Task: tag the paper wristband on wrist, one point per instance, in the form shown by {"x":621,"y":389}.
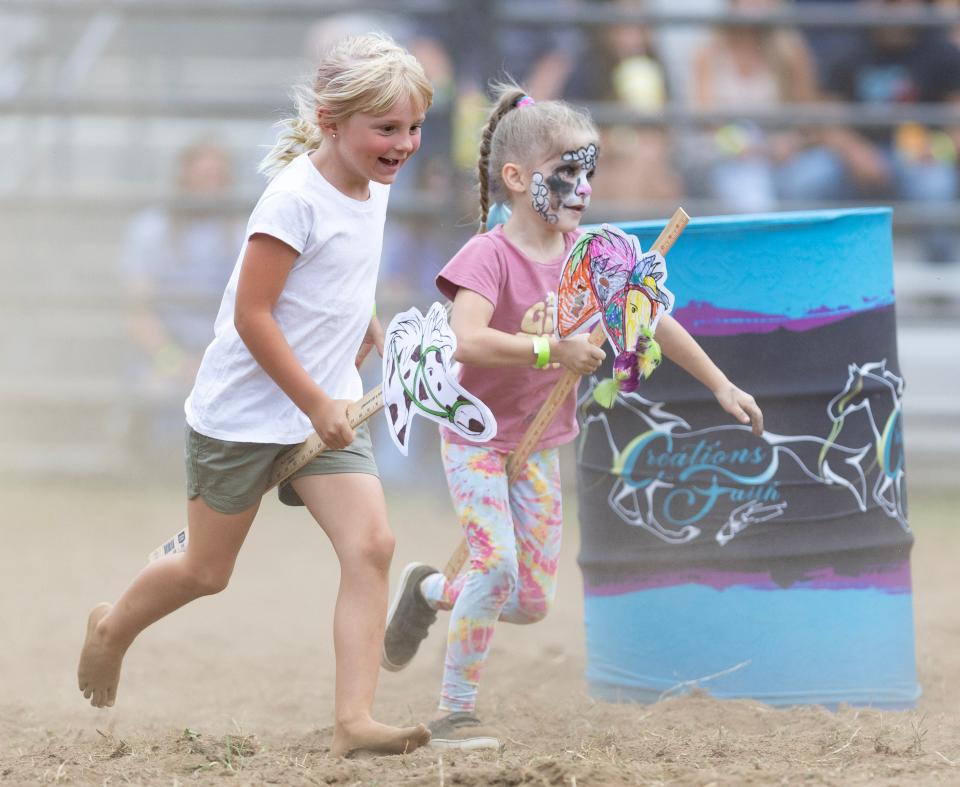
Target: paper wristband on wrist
{"x":541,"y":348}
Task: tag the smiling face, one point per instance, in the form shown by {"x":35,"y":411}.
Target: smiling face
{"x":560,"y":186}
{"x":374,"y":147}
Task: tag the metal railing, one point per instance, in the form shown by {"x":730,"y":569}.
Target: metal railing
{"x":60,"y":107}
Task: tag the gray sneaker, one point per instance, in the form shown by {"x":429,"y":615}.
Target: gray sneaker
{"x":462,"y":730}
{"x":408,"y":620}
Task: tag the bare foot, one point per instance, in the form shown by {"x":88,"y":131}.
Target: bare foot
{"x":372,"y":736}
{"x":99,"y":670}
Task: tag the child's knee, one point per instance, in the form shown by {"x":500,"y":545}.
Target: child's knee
{"x":209,"y":580}
{"x":501,"y":575}
{"x":384,"y":545}
{"x":524,"y":612}
{"x":376,"y":547}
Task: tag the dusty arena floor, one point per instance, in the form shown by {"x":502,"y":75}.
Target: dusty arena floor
{"x":237,"y":689}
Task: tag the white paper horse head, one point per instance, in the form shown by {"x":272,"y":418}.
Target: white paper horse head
{"x":419,"y":378}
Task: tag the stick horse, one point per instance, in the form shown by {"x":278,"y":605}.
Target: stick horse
{"x":419,"y":378}
{"x":607,"y":274}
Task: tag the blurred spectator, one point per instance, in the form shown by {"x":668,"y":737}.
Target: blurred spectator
{"x":466,"y":45}
{"x":625,"y":67}
{"x":898,"y":66}
{"x":175,"y":264}
{"x":951,"y":7}
{"x":543,"y":58}
{"x":677,"y":43}
{"x":828,"y":44}
{"x":757,"y":69}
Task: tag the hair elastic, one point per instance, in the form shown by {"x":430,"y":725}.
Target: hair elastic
{"x":541,"y":347}
{"x":523,"y":101}
{"x":498,"y":214}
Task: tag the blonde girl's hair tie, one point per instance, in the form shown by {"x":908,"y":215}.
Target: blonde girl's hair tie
{"x":523,"y":101}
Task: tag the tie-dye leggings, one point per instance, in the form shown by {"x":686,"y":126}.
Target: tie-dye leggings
{"x":514,"y":539}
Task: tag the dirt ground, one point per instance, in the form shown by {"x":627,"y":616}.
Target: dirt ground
{"x":237,"y":688}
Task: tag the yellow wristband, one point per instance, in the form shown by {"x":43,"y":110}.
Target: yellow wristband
{"x":541,"y":348}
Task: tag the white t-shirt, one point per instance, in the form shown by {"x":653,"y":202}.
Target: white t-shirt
{"x":323,"y":310}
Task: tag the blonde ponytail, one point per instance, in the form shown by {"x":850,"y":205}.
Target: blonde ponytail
{"x":298,"y":134}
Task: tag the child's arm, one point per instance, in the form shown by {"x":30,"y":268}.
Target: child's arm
{"x":372,"y":339}
{"x":480,"y":345}
{"x":681,"y":348}
{"x":266,"y":265}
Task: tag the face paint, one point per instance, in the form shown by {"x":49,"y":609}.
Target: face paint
{"x":567,"y":185}
{"x":541,"y":198}
{"x":586,"y":156}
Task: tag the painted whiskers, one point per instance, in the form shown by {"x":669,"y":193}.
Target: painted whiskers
{"x":606,"y":273}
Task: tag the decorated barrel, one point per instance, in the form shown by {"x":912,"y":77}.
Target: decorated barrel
{"x":772,"y":567}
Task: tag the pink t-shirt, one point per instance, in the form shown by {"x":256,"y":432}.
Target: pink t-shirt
{"x":524,"y":296}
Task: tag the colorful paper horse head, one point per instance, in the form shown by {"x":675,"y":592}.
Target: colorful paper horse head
{"x":607,"y":274}
{"x":418,"y":378}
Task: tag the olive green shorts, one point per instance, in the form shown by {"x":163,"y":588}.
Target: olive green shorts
{"x":231,"y":477}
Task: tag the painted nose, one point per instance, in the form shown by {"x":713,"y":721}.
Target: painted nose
{"x":584,"y":189}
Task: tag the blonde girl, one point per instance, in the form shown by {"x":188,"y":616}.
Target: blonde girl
{"x":294,"y":324}
{"x":539,"y":158}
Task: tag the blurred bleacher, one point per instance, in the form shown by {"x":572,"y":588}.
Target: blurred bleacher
{"x":98,"y":98}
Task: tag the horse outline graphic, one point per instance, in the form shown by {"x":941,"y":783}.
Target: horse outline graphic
{"x":637,"y":500}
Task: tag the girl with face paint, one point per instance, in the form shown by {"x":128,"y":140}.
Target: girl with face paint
{"x":539,"y":158}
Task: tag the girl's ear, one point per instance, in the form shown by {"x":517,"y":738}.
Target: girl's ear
{"x":513,"y":178}
{"x":326,"y":125}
